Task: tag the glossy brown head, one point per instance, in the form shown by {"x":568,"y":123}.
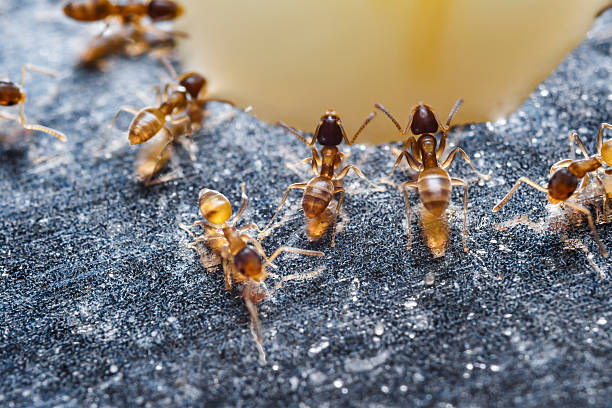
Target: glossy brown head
{"x":159,"y":10}
{"x":248,"y":262}
{"x":10,"y":94}
{"x":193,"y":83}
{"x":330,"y":132}
{"x":423,"y":120}
{"x":562,"y":185}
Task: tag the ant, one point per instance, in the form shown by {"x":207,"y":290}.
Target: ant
{"x":321,"y":189}
{"x":569,"y":177}
{"x":433,"y":184}
{"x":130,"y":12}
{"x":241,"y":263}
{"x":134,"y":38}
{"x":13,"y":94}
{"x":178,"y":113}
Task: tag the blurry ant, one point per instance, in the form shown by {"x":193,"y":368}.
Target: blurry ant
{"x":134,"y":38}
{"x":433,"y":184}
{"x":242,"y":263}
{"x":13,"y":94}
{"x":320,"y":190}
{"x":568,"y":178}
{"x":130,"y":12}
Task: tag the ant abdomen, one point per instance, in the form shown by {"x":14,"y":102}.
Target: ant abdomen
{"x":88,"y":10}
{"x":214,"y":206}
{"x":10,"y":94}
{"x":434,"y":187}
{"x":319,"y":192}
{"x":145,"y":125}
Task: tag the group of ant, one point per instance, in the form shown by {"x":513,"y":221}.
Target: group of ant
{"x":179,"y":112}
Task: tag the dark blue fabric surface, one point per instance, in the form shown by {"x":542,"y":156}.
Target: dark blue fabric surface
{"x":102,"y":305}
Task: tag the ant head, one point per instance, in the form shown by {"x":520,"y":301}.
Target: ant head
{"x":330,"y":132}
{"x":606,"y":152}
{"x":248,"y":262}
{"x":562,"y":185}
{"x":159,"y":10}
{"x":193,"y":83}
{"x":427,"y":144}
{"x":423,"y":120}
{"x":214,"y":206}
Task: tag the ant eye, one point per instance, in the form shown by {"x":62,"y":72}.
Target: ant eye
{"x":424,"y":121}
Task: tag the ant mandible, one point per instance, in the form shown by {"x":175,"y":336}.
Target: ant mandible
{"x":241,"y":263}
{"x":433,"y":184}
{"x":13,"y":94}
{"x":568,"y":178}
{"x":320,"y":190}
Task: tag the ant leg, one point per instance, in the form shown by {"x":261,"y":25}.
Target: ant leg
{"x":449,"y":160}
{"x":459,"y":182}
{"x":187,"y":228}
{"x":574,"y":138}
{"x":306,"y":160}
{"x":248,"y":227}
{"x":194,"y":244}
{"x":604,"y":195}
{"x":363,"y":125}
{"x":41,"y":128}
{"x":395,"y":122}
{"x":600,"y":136}
{"x":340,"y":200}
{"x":164,"y":60}
{"x":411,"y":184}
{"x":227,"y":274}
{"x":30,"y":67}
{"x":204,"y":101}
{"x":412,"y":162}
{"x":518,"y":183}
{"x":301,"y":186}
{"x":243,"y":205}
{"x":128,"y":109}
{"x":297,"y":133}
{"x":586,"y":212}
{"x":345,"y":171}
{"x":292,"y":250}
{"x":441,"y":146}
{"x":558,"y":165}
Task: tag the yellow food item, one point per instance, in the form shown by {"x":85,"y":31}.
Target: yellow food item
{"x":292,"y":60}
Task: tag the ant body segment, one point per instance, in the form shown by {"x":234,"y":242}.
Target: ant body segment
{"x":242,"y":264}
{"x":13,"y":94}
{"x":433,"y":183}
{"x":569,"y":177}
{"x":130,"y":12}
{"x":321,"y":189}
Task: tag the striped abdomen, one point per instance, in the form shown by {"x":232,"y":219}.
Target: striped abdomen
{"x":10,"y":94}
{"x":435,"y":190}
{"x":319,"y":192}
{"x":89,"y":10}
{"x":145,"y":125}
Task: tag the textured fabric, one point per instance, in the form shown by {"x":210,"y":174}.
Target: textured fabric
{"x":102,"y":305}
